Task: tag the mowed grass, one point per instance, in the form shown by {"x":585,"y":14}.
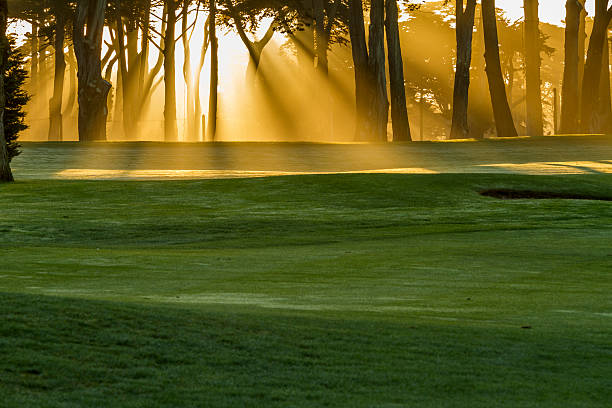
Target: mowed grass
{"x":332,"y":290}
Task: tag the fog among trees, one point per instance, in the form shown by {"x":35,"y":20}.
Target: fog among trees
{"x":317,"y":70}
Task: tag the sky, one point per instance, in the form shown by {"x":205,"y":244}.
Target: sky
{"x":551,"y":11}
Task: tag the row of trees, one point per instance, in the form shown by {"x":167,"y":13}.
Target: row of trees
{"x":313,"y":26}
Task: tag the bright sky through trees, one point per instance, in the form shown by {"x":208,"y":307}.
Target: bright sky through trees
{"x":551,"y":11}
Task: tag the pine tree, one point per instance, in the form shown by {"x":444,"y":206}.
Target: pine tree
{"x":16,"y":98}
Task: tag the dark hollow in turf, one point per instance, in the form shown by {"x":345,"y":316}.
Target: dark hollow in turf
{"x":509,"y":194}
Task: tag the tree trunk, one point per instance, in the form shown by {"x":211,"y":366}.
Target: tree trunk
{"x":170,"y":126}
{"x":399,"y":110}
{"x":534,"y":122}
{"x":362,"y":73}
{"x":322,"y":42}
{"x":214,"y":72}
{"x":497,"y":89}
{"x":464,"y":33}
{"x":592,"y":68}
{"x":582,"y":38}
{"x":604,"y":111}
{"x":56,"y":129}
{"x":190,"y":134}
{"x":379,"y":104}
{"x":199,"y":126}
{"x":69,"y":109}
{"x":93,"y":89}
{"x":5,"y":168}
{"x":570,"y":96}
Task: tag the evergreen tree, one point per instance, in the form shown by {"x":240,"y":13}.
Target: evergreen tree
{"x":16,"y":98}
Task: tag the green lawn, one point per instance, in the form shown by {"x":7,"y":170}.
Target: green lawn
{"x":333,"y":290}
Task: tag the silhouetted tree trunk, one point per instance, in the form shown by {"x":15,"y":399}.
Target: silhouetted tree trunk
{"x":198,"y":77}
{"x":604,"y":111}
{"x":582,"y":39}
{"x":56,"y":129}
{"x":5,"y":168}
{"x":463,"y":34}
{"x":93,"y":89}
{"x":190,"y":135}
{"x":170,"y":127}
{"x":399,"y":110}
{"x":497,"y":88}
{"x":362,"y":73}
{"x":570,"y":99}
{"x":214,"y":72}
{"x":379,"y":104}
{"x":592,"y":69}
{"x":322,"y":40}
{"x":255,"y":48}
{"x":535,"y":126}
{"x":70,"y":107}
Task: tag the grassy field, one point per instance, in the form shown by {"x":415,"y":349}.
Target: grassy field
{"x":358,"y":290}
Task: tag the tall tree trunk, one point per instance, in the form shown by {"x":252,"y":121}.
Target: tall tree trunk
{"x":72,"y":83}
{"x":5,"y":168}
{"x":464,"y":33}
{"x":501,"y":110}
{"x":190,"y":134}
{"x":170,"y":126}
{"x":535,"y":126}
{"x":582,"y":39}
{"x":379,"y":105}
{"x":570,"y":94}
{"x":56,"y":129}
{"x":255,"y":48}
{"x":592,"y":68}
{"x":399,"y":110}
{"x":198,"y":76}
{"x":604,"y":111}
{"x":93,"y":89}
{"x":362,"y":72}
{"x":322,"y":42}
{"x":214,"y":72}
{"x":143,"y":64}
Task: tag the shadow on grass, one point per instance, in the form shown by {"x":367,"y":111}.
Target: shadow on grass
{"x":61,"y":352}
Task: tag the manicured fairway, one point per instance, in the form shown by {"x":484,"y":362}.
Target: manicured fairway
{"x":331,"y":290}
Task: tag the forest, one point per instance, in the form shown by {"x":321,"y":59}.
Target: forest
{"x":379,"y":71}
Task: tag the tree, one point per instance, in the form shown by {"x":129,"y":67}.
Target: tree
{"x":501,"y":110}
{"x":5,"y":169}
{"x":399,"y":111}
{"x":61,"y":12}
{"x":571,"y":83}
{"x":16,"y":98}
{"x":535,"y":126}
{"x":369,"y":65}
{"x":214,"y":71}
{"x":463,"y":32}
{"x":92,"y":88}
{"x":604,"y":112}
{"x":379,"y":104}
{"x":170,"y":126}
{"x":593,"y":67}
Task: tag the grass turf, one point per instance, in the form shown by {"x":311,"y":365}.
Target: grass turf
{"x":337,"y":290}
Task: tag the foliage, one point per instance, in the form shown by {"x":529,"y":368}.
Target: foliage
{"x":16,"y":98}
